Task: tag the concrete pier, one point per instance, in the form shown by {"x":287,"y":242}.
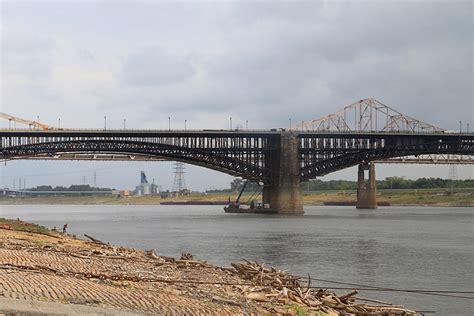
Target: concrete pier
{"x":366,"y":189}
{"x":284,"y":192}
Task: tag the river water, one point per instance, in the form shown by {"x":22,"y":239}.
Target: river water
{"x":397,"y":247}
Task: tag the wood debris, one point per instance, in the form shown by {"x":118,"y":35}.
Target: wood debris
{"x":278,"y":286}
{"x":245,"y":286}
{"x":97,"y":241}
{"x":186,"y":256}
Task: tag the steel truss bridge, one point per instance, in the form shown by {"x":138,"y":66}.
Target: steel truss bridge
{"x":363,"y":132}
{"x":240,"y":153}
{"x":419,"y":159}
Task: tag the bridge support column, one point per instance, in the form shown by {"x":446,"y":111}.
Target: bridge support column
{"x":366,"y":189}
{"x":284,"y":192}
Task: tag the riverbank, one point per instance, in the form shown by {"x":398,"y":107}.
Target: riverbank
{"x":391,"y":197}
{"x":49,"y":271}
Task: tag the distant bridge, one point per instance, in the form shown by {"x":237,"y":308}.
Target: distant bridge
{"x":361,"y":133}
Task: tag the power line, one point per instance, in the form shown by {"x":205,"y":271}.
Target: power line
{"x":73,"y":172}
{"x":444,"y":293}
{"x":364,"y":287}
{"x":179,"y":184}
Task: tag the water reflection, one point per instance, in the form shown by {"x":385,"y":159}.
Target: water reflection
{"x":365,"y":252}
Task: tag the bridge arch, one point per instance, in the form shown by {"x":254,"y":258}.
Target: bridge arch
{"x":351,"y":158}
{"x":280,"y":159}
{"x":211,"y":159}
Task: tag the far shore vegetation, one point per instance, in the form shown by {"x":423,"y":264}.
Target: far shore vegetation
{"x":394,"y":190}
{"x":19,"y":225}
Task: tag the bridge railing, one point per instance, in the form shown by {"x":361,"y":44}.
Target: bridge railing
{"x":306,"y":131}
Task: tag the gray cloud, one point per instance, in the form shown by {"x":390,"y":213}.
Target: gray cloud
{"x":259,"y":61}
{"x":26,"y":54}
{"x":155,"y":67}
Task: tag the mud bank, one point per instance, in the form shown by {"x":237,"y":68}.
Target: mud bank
{"x":43,"y":271}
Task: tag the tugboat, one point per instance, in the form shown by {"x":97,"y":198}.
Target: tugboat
{"x":255,"y":207}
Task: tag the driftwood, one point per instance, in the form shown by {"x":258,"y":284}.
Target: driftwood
{"x":225,"y":300}
{"x":97,"y":241}
{"x":285,"y":288}
{"x":265,"y":276}
{"x":270,"y":287}
{"x":152,"y":254}
{"x":193,"y":262}
{"x":186,"y":256}
{"x":348,"y":295}
{"x":78,"y":256}
{"x":168,"y":259}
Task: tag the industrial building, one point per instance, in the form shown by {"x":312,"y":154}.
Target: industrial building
{"x":145,"y":188}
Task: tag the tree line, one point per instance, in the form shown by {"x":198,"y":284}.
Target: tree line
{"x":74,"y":187}
{"x":387,"y":183}
{"x":390,"y":183}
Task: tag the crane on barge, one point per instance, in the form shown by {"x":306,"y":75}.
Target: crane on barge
{"x":254,"y":207}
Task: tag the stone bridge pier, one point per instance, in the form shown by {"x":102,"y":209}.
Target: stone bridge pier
{"x":284,"y":192}
{"x":366,"y":188}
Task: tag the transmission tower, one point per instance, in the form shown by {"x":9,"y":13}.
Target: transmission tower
{"x":453,"y":175}
{"x":179,"y":183}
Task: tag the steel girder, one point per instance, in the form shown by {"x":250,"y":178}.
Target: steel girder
{"x":244,"y":154}
{"x":332,"y":159}
{"x":431,"y":159}
{"x":224,"y":160}
{"x":368,"y":115}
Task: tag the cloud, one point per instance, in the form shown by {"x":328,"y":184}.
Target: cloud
{"x":24,"y":42}
{"x":155,"y":67}
{"x":258,"y":61}
{"x":25,"y":54}
{"x":306,"y":60}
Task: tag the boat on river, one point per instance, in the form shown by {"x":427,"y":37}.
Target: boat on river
{"x":254,"y":207}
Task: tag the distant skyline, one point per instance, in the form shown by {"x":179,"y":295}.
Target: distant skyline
{"x":126,"y":175}
{"x":89,"y":177}
{"x":204,"y":62}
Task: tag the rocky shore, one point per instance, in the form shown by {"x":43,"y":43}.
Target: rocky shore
{"x":46,"y":272}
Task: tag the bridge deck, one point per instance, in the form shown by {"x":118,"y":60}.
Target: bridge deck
{"x":206,"y":132}
{"x":252,"y":154}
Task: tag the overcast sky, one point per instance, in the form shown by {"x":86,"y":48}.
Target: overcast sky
{"x":204,"y":62}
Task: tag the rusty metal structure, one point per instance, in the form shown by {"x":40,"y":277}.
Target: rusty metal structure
{"x":323,"y":153}
{"x":430,"y":160}
{"x":279,"y":159}
{"x":31,"y":124}
{"x":368,"y":115}
{"x":236,"y":153}
{"x":419,"y":159}
{"x":242,"y":153}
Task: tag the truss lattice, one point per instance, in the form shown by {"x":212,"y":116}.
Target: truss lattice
{"x":431,"y":160}
{"x":368,"y":115}
{"x":179,"y":184}
{"x":30,"y":124}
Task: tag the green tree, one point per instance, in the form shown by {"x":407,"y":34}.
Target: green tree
{"x":236,"y":184}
